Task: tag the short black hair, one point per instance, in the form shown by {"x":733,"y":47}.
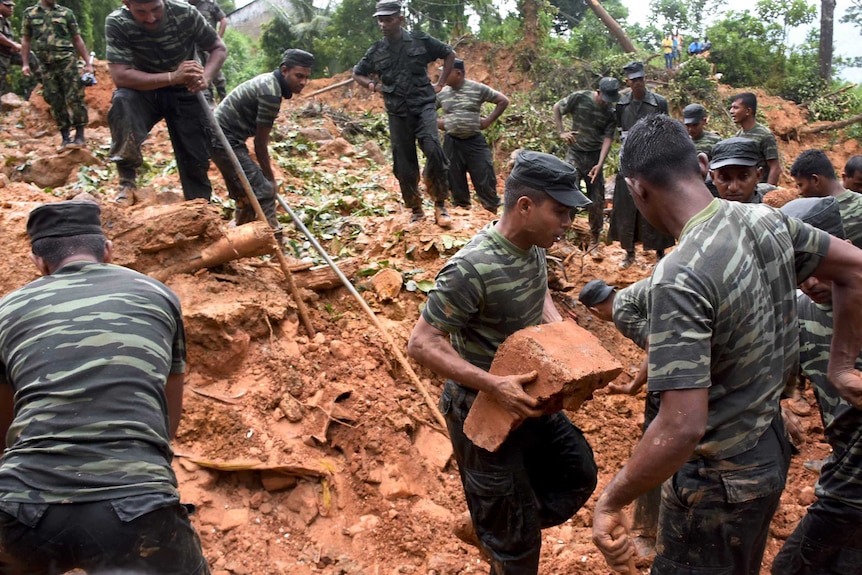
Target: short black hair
{"x":749,"y":100}
{"x":515,"y":189}
{"x":56,"y":249}
{"x":853,"y":165}
{"x":659,"y":150}
{"x":811,"y":162}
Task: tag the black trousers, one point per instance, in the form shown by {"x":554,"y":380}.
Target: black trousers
{"x":539,"y":477}
{"x":132,"y":115}
{"x":404,"y":133}
{"x":263,"y":189}
{"x":828,"y":541}
{"x":471,"y":155}
{"x":92,"y":537}
{"x":583,"y":163}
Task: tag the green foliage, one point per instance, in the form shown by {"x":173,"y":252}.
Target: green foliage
{"x":744,"y":49}
{"x":694,"y":81}
{"x":837,"y":106}
{"x":243,"y":59}
{"x":350,"y":32}
{"x":853,"y":14}
{"x":227,"y":6}
{"x":275,"y":38}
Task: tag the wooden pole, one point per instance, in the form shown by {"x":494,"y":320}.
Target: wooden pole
{"x":328,"y":88}
{"x":282,"y":261}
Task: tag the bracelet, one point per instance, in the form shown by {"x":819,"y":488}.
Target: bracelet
{"x":170,"y":82}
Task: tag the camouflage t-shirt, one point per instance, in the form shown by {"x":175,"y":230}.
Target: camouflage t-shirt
{"x":631,"y":312}
{"x":841,"y":475}
{"x":723,"y":316}
{"x":591,"y":122}
{"x":402,"y":67}
{"x":462,"y":107}
{"x":705,"y":143}
{"x":766,"y":143}
{"x":87,"y":351}
{"x":6,"y":30}
{"x":181,"y":30}
{"x":486,"y":292}
{"x":850,"y":206}
{"x":251,"y":104}
{"x":211,"y":12}
{"x":50,"y":30}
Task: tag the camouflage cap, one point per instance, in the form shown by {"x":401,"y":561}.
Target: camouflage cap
{"x":634,"y":70}
{"x":64,"y":219}
{"x":609,"y":89}
{"x":387,"y":8}
{"x":822,"y":213}
{"x":693,"y":114}
{"x":550,"y":174}
{"x":734,"y":152}
{"x":7,"y":2}
{"x":595,"y":292}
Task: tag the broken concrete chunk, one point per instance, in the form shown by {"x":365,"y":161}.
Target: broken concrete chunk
{"x":571,"y":364}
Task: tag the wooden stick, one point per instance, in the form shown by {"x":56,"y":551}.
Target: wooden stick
{"x":252,"y":199}
{"x":328,"y":88}
{"x":432,"y":405}
{"x":831,"y":125}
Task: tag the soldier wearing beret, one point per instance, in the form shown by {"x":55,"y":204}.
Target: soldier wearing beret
{"x":92,"y":358}
{"x":723,"y":341}
{"x":695,"y":117}
{"x":589,"y":141}
{"x":494,"y":286}
{"x":627,"y":225}
{"x":52,"y":32}
{"x":399,"y":62}
{"x":735,"y":173}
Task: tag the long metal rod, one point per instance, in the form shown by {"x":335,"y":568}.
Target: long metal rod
{"x":432,"y":405}
{"x":282,"y":261}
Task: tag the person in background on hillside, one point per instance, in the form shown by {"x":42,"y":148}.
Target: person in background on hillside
{"x":695,"y":117}
{"x":10,"y":50}
{"x":216,"y":18}
{"x":743,"y":110}
{"x":249,"y":111}
{"x":695,"y":47}
{"x":815,"y":178}
{"x":735,"y":173}
{"x":52,"y":32}
{"x":677,"y":48}
{"x":829,"y":537}
{"x":723,"y":339}
{"x":465,"y":147}
{"x":628,"y":226}
{"x":628,"y":309}
{"x":588,"y":143}
{"x":852,"y":174}
{"x":495,"y":285}
{"x":667,"y":50}
{"x":399,"y":63}
{"x":705,"y":46}
{"x":86,"y":479}
{"x":151,"y":48}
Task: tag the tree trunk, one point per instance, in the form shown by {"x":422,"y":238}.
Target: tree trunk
{"x":530,"y":16}
{"x":827,"y":11}
{"x":615,"y":29}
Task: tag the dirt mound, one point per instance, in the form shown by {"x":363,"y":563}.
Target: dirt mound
{"x":314,"y":454}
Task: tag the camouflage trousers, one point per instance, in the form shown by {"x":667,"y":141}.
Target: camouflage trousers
{"x":9,"y":60}
{"x":583,"y":163}
{"x":404,"y":132}
{"x":62,"y":89}
{"x":263,"y":189}
{"x":471,"y":155}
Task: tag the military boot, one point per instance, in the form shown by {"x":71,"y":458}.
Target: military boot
{"x":126,"y":194}
{"x":67,"y":139}
{"x":79,"y":136}
{"x":441,"y":215}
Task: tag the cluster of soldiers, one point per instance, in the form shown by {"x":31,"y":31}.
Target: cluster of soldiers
{"x":92,"y":488}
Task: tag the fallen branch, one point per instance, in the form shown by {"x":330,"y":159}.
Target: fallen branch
{"x":831,"y":125}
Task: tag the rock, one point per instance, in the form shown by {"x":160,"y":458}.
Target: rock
{"x":445,"y":564}
{"x":387,"y":283}
{"x":395,"y":486}
{"x":303,"y":500}
{"x":291,"y":408}
{"x":434,"y":447}
{"x":570,"y":361}
{"x":276,"y":481}
{"x":234,"y":518}
{"x":53,"y":171}
{"x":337,"y":148}
{"x":438,"y":514}
{"x":340,"y":350}
{"x":365,"y":523}
{"x":373,"y":152}
{"x":10,"y":101}
{"x":314,"y":134}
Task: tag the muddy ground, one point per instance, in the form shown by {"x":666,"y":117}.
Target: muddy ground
{"x":317,"y":454}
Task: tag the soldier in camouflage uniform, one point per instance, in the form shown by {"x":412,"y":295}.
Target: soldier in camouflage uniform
{"x":151,"y":48}
{"x":465,"y":146}
{"x":494,"y":286}
{"x":86,"y":479}
{"x":851,"y":176}
{"x":400,"y":60}
{"x":723,"y":341}
{"x":735,"y":173}
{"x":743,"y":110}
{"x":829,"y":537}
{"x":695,"y":117}
{"x":589,"y":141}
{"x":815,"y":178}
{"x":52,"y":32}
{"x":628,"y":226}
{"x":250,"y":110}
{"x":10,"y":50}
{"x":216,"y":18}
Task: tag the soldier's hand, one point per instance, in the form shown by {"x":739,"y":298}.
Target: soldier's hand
{"x":16,"y":47}
{"x":25,"y":71}
{"x":191,"y":73}
{"x":510,"y":394}
{"x":88,"y":67}
{"x":849,"y":385}
{"x":594,"y":173}
{"x":611,"y":536}
{"x":569,"y":137}
{"x":484,"y":123}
